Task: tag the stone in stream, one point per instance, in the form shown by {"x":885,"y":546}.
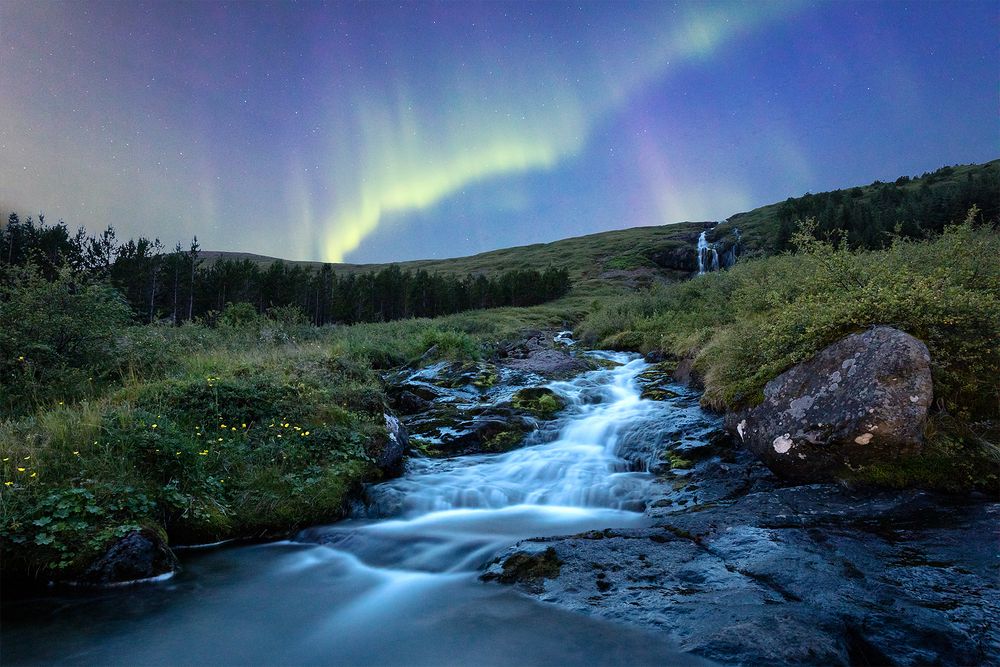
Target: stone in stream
{"x":540,"y":402}
{"x":538,"y":353}
{"x":140,"y":554}
{"x":388,"y":452}
{"x":862,"y":400}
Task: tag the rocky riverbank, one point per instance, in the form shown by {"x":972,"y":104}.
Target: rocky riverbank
{"x":744,"y":568}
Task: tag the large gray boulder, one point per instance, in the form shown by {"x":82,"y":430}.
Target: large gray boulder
{"x":862,"y":400}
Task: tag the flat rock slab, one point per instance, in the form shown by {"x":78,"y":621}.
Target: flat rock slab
{"x":800,"y":575}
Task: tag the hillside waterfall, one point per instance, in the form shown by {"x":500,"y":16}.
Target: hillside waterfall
{"x":707,"y":255}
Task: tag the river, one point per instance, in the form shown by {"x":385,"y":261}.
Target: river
{"x":397,"y":584}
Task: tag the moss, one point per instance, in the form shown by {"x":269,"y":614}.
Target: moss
{"x":522,"y":567}
{"x":678,"y":462}
{"x":948,"y":463}
{"x":487,"y":378}
{"x":503,"y":441}
{"x":658,"y":394}
{"x":598,"y":363}
{"x":541,"y":402}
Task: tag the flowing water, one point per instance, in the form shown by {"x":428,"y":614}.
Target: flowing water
{"x":708,"y":256}
{"x":397,"y":584}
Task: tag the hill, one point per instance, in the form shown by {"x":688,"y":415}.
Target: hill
{"x":586,"y":257}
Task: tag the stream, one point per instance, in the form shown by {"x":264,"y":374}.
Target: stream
{"x":397,"y":583}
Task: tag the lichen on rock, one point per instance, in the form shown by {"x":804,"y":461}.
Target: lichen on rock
{"x":862,"y":400}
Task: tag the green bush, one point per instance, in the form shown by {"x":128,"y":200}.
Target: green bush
{"x":58,"y":338}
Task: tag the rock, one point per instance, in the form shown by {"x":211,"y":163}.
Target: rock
{"x":805,"y":575}
{"x":525,"y":568}
{"x":388,"y":453}
{"x":537,"y":353}
{"x":409,"y":403}
{"x":862,"y":400}
{"x":540,"y":402}
{"x":140,"y":554}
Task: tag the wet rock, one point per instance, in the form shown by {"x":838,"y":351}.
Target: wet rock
{"x":862,"y":400}
{"x":797,"y":575}
{"x":656,"y":382}
{"x":540,"y":402}
{"x":409,"y":403}
{"x":388,"y":452}
{"x":525,"y":568}
{"x":140,"y":554}
{"x":537,"y":352}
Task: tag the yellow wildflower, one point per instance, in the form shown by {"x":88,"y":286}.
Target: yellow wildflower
{"x":8,"y":483}
{"x":34,"y":474}
{"x":20,"y":469}
{"x":76,"y":453}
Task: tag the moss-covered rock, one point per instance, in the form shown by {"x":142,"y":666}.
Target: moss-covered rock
{"x":527,"y":568}
{"x":540,"y":402}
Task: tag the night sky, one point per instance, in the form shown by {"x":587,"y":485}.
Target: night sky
{"x":378,"y":132}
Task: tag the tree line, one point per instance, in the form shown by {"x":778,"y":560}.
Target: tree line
{"x":914,"y":207}
{"x":180,"y":285}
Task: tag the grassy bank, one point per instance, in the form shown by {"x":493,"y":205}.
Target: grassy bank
{"x":241,"y":430}
{"x":745,"y":326}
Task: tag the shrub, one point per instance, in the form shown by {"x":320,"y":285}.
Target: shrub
{"x":58,"y":338}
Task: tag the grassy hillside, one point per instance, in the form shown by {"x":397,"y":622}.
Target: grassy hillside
{"x":587,"y":257}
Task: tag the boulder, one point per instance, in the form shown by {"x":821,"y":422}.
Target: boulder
{"x":388,"y":453}
{"x":540,"y":402}
{"x":538,"y":353}
{"x":138,"y":555}
{"x":862,"y":400}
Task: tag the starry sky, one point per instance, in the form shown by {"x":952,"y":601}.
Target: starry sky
{"x":371,"y":132}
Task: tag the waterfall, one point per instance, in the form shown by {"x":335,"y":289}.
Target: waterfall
{"x":707,"y":254}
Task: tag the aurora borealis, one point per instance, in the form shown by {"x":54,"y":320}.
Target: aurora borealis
{"x":379,"y":132}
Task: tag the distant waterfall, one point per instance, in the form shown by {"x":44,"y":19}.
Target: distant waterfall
{"x":707,"y":255}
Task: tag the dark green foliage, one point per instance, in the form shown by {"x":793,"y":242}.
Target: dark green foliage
{"x":870,"y":217}
{"x":58,"y":336}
